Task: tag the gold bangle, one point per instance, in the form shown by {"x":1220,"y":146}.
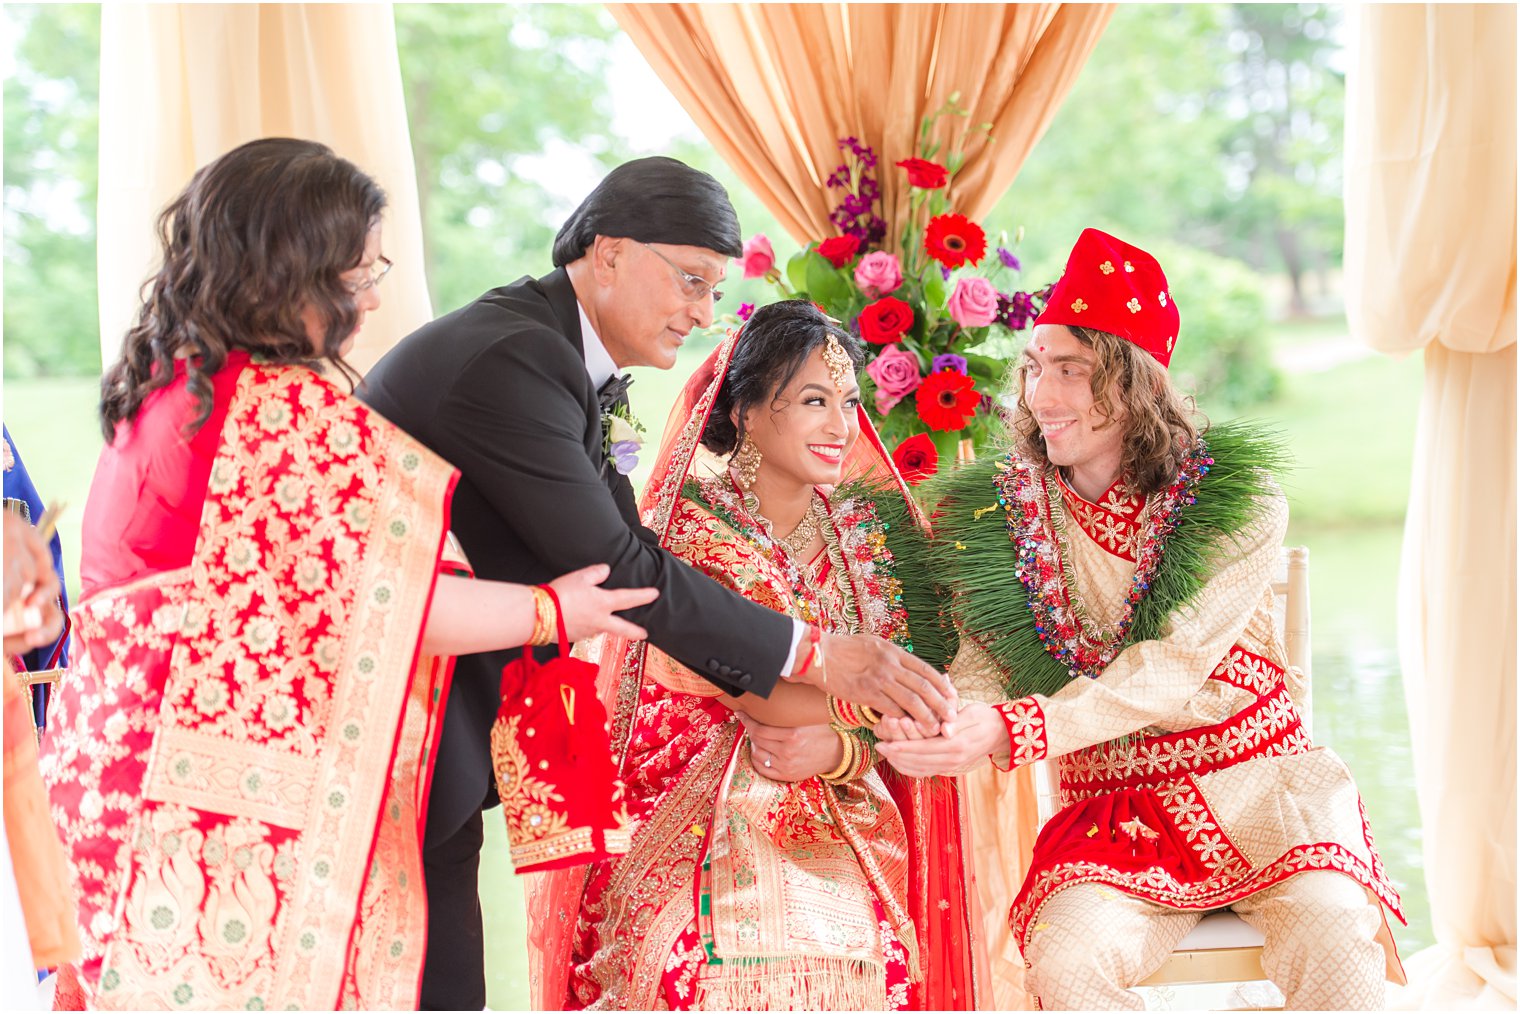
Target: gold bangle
{"x":843,"y":770}
{"x":866,"y":760}
{"x":545,"y":629}
{"x":870,"y":715}
{"x":845,"y":713}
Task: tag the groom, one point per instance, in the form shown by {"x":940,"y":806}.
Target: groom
{"x":513,"y":390}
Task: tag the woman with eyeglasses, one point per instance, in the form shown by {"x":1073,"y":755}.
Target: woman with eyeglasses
{"x":238,"y":763}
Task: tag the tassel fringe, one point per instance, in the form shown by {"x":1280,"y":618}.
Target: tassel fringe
{"x":793,"y":983}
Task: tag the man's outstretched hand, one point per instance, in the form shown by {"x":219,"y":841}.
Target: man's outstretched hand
{"x":865,"y":669}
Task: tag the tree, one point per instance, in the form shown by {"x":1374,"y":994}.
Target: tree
{"x":1287,"y":101}
{"x":51,"y":138}
{"x":1215,"y":125}
{"x":501,"y":97}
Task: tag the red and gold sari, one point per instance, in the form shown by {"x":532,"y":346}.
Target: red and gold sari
{"x":238,"y":762}
{"x":739,"y":892}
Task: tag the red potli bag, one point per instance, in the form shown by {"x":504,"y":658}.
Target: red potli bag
{"x":554,"y":773}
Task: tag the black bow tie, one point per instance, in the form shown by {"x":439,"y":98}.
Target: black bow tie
{"x":613,"y":391}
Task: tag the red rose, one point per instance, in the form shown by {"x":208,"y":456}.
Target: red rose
{"x":916,"y":458}
{"x":954,"y":240}
{"x":838,"y":250}
{"x":885,"y":321}
{"x":947,"y":400}
{"x":925,"y":174}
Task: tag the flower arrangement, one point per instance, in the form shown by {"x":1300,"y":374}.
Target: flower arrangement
{"x":925,"y":311}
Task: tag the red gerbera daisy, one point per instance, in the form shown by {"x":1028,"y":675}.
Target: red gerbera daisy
{"x":947,"y":400}
{"x":954,"y":240}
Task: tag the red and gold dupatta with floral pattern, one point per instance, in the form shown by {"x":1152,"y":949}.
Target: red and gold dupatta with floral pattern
{"x":238,"y":763}
{"x":940,"y":880}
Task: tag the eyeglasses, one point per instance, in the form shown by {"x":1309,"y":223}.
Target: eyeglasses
{"x":693,"y":287}
{"x":384,"y":263}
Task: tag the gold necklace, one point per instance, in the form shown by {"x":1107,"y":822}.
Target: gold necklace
{"x":801,"y":537}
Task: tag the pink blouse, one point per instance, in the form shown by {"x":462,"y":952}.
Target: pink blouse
{"x":144,"y":509}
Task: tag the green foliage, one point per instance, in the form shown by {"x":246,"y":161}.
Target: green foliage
{"x":1223,"y":354}
{"x":1214,"y":125}
{"x":51,"y":324}
{"x":489,"y":89}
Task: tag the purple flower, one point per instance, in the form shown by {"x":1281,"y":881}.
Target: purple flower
{"x":944,"y":272}
{"x":1009,"y":260}
{"x":949,"y":361}
{"x":625,"y":456}
{"x":1015,"y":311}
{"x":746,"y":310}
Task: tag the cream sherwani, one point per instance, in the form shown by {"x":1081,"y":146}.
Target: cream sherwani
{"x":1218,"y":801}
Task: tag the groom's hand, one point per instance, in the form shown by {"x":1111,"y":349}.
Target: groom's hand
{"x":981,"y":735}
{"x":864,"y":669}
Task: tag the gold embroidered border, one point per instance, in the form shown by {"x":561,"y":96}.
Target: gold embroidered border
{"x":204,"y":772}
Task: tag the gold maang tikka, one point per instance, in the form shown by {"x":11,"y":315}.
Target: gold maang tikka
{"x":841,"y":367}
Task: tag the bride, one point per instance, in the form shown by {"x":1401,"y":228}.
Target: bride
{"x":773,"y":864}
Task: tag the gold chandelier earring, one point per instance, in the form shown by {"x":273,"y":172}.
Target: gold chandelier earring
{"x":746,"y":463}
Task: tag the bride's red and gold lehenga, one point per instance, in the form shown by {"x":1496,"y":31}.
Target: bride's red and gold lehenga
{"x":237,"y":764}
{"x":740,"y":892}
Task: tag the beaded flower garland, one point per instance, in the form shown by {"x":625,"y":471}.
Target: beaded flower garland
{"x":1034,"y":509}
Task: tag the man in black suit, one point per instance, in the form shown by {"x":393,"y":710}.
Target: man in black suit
{"x":506,"y":389}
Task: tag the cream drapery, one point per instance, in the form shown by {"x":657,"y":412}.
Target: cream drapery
{"x":1430,"y":264}
{"x":774,"y":86}
{"x":181,"y":84}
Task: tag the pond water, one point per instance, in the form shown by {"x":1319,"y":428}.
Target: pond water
{"x":1359,"y":697}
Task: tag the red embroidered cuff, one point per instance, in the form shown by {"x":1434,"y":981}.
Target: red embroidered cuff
{"x":1025,"y":720}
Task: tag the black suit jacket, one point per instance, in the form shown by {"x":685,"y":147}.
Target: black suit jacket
{"x":499,"y":388}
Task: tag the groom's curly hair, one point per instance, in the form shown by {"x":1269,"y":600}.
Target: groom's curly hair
{"x":1131,"y":390}
{"x":772,"y":347}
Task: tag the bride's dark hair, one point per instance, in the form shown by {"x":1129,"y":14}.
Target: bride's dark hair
{"x":258,"y":235}
{"x":774,"y":344}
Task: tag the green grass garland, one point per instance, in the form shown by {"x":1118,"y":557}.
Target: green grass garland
{"x":972,"y":557}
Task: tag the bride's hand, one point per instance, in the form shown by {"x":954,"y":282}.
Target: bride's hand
{"x":791,"y":755}
{"x":980,"y":735}
{"x":588,"y":609}
{"x":890,"y":728}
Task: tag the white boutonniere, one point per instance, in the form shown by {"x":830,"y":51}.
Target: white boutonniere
{"x":622,"y":437}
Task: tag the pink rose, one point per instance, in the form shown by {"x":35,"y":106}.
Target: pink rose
{"x":878,"y":273}
{"x":758,"y":258}
{"x":974,"y":303}
{"x":896,"y":374}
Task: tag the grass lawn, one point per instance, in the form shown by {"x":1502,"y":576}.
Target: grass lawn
{"x":1350,"y":430}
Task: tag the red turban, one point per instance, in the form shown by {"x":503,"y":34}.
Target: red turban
{"x":1112,"y":286}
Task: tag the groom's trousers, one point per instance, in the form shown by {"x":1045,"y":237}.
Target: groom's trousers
{"x":1092,"y":942}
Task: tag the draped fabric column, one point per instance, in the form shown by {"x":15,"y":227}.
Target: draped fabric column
{"x":1430,"y":264}
{"x":181,"y":84}
{"x":774,"y":86}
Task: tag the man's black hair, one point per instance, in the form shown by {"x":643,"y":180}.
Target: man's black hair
{"x":653,"y":200}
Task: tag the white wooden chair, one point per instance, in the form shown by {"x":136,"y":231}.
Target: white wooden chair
{"x":1222,"y":948}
